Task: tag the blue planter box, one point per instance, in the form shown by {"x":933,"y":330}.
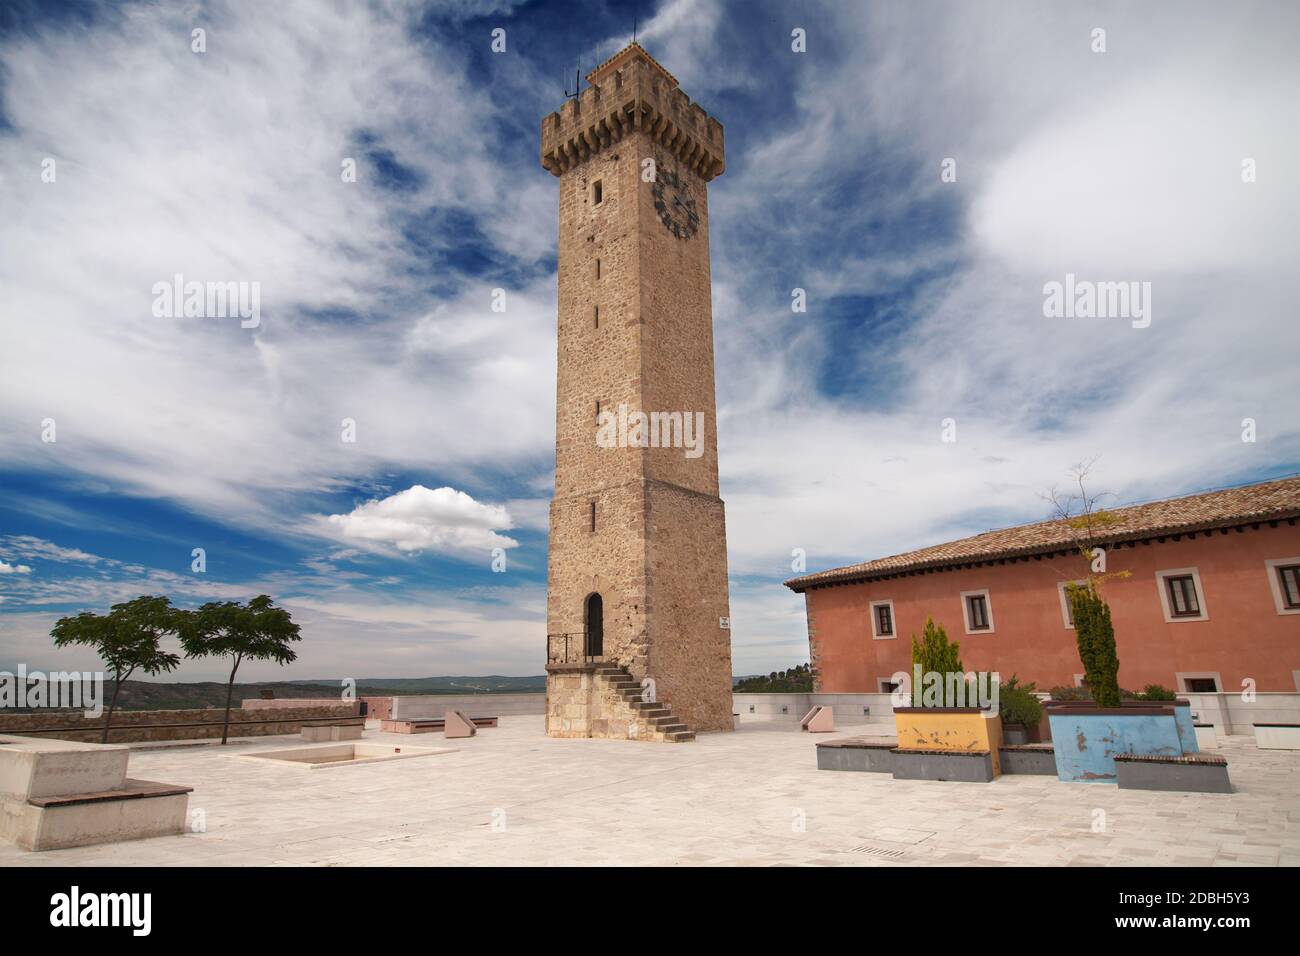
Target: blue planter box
{"x":1087,"y":738}
{"x":1186,"y":728}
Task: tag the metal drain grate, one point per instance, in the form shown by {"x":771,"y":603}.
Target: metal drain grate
{"x":877,"y":851}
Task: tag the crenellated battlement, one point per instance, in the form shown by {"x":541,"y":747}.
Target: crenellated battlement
{"x":631,"y":92}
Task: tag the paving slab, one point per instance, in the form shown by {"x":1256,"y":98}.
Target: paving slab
{"x":512,"y":796}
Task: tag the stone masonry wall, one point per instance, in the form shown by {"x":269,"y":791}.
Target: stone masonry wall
{"x":580,"y":703}
{"x":130,"y":726}
{"x":635,"y":327}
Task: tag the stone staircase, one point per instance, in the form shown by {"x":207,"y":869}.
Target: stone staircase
{"x":654,"y":720}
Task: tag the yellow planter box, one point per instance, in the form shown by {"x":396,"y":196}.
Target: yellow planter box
{"x":949,"y":729}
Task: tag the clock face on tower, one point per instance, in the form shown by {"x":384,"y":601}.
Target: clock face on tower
{"x":673,"y":203}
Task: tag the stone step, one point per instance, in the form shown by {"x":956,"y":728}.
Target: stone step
{"x":662,"y":719}
{"x":680,"y":736}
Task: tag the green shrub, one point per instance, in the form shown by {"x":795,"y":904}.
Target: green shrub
{"x":935,"y":655}
{"x":1069,"y":693}
{"x":1096,"y":639}
{"x":1157,"y":692}
{"x":1019,"y":705}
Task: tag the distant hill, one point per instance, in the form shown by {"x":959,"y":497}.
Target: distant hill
{"x":148,"y":695}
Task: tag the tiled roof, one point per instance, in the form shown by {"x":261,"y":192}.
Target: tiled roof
{"x":1266,"y":501}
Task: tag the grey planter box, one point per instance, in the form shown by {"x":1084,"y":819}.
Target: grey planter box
{"x":1029,"y":758}
{"x":867,"y":756}
{"x":975,"y":766}
{"x":1197,"y":773}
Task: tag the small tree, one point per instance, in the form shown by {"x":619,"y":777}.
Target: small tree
{"x":935,"y":655}
{"x":258,"y":631}
{"x":1093,"y":630}
{"x":126,"y":639}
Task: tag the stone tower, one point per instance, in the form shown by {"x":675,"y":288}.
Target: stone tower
{"x":637,"y":576}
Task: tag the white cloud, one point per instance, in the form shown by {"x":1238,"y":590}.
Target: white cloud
{"x":230,"y":422}
{"x":441,"y":520}
{"x":1126,"y":163}
{"x":13,"y":568}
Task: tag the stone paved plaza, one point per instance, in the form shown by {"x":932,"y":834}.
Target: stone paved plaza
{"x":734,"y":798}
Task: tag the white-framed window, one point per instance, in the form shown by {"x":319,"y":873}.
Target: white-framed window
{"x":883,"y":626}
{"x":977,"y":611}
{"x":1284,"y":579}
{"x":1181,"y":595}
{"x":1078,"y":680}
{"x":1067,"y":612}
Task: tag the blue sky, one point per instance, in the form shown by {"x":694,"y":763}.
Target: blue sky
{"x":924,"y":297}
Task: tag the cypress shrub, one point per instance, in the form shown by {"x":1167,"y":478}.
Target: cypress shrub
{"x":935,"y":655}
{"x":1096,"y":638}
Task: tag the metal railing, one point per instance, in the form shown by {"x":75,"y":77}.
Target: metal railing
{"x":570,"y":648}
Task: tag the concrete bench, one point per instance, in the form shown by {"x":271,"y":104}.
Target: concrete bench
{"x":1196,"y":773}
{"x":819,"y":720}
{"x":339,"y":730}
{"x":60,"y":793}
{"x":1277,"y":736}
{"x":427,"y":725}
{"x":863,"y":754}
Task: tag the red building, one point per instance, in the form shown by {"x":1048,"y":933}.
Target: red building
{"x":1211,"y":600}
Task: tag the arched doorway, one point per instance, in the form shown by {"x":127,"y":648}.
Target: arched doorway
{"x":595,"y":630}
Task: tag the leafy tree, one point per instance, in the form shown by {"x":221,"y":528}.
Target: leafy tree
{"x":126,"y":639}
{"x":797,"y":680}
{"x":935,"y":655}
{"x":257,"y":631}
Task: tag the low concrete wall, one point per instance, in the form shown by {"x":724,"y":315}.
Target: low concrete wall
{"x":131,"y":726}
{"x":474,"y":705}
{"x":1231,"y":715}
{"x":1227,"y":712}
{"x":848,"y":708}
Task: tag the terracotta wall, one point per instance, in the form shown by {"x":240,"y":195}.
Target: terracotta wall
{"x":1243,"y":637}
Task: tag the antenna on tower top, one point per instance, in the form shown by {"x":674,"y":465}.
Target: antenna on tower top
{"x":577,"y":82}
{"x":634,"y":29}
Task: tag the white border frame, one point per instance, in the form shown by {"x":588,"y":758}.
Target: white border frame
{"x":988,"y":606}
{"x":1065,"y":604}
{"x":893,"y":619}
{"x":1164,"y":595}
{"x":1276,"y":585}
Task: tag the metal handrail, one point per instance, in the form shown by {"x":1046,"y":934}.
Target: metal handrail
{"x":570,"y":648}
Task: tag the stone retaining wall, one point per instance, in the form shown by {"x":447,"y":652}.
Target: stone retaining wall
{"x":131,"y":726}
